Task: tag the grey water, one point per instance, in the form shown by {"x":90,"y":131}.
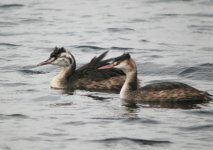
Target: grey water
{"x":169,"y":40}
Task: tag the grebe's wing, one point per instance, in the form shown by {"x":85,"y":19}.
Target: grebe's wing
{"x":91,"y":70}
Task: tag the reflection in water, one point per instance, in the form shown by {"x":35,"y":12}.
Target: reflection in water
{"x":130,"y":110}
{"x":172,"y":105}
{"x":168,"y":104}
{"x":129,"y":103}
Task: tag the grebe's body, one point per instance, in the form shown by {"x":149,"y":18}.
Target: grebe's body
{"x":87,"y":77}
{"x":157,"y":92}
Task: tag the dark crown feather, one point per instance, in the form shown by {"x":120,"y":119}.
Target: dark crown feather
{"x":57,"y":51}
{"x":122,"y":57}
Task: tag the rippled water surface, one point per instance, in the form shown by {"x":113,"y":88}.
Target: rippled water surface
{"x":169,"y":40}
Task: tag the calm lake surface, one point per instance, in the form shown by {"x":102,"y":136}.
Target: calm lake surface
{"x":169,"y":40}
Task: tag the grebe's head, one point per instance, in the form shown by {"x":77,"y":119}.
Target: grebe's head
{"x":59,"y":57}
{"x":123,"y":62}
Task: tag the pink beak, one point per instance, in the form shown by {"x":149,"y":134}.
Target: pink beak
{"x":48,"y":61}
{"x":107,"y":66}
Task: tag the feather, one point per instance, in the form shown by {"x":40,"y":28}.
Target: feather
{"x":91,"y":70}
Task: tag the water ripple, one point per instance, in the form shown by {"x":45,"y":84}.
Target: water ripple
{"x":8,"y":44}
{"x":132,"y":140}
{"x":120,"y":30}
{"x":53,"y":134}
{"x":77,"y":123}
{"x":99,"y":98}
{"x":31,"y":72}
{"x":19,"y":116}
{"x":139,"y":120}
{"x":121,"y":48}
{"x":200,"y":127}
{"x":61,"y":104}
{"x":11,"y":5}
{"x":200,"y":15}
{"x":90,"y":47}
{"x":202,"y":112}
{"x":170,"y":15}
{"x":201,"y":72}
{"x":15,"y":84}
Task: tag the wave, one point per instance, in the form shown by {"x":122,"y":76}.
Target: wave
{"x":200,"y":127}
{"x":21,"y":116}
{"x":121,"y":48}
{"x":133,"y":140}
{"x":11,"y":5}
{"x":201,"y":72}
{"x":202,"y":112}
{"x":31,"y":72}
{"x":91,"y":47}
{"x":102,"y":48}
{"x":61,"y":104}
{"x":120,"y":29}
{"x":8,"y":44}
{"x":140,"y":120}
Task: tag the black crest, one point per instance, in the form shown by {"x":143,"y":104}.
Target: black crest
{"x":125,"y":56}
{"x":57,"y":51}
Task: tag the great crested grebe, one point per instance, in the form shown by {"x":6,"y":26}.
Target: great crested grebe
{"x":87,"y":77}
{"x":157,"y":92}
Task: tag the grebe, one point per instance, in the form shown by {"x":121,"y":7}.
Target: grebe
{"x":87,"y":77}
{"x":157,"y":92}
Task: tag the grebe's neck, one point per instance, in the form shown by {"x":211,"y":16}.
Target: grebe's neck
{"x":60,"y":81}
{"x":131,"y":82}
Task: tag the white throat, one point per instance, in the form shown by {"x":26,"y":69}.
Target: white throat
{"x":125,"y":92}
{"x":60,"y":80}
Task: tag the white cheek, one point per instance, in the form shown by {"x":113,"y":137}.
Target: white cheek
{"x":122,"y":66}
{"x":62,"y":62}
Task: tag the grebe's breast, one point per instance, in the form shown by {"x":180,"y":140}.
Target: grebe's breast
{"x":170,"y":91}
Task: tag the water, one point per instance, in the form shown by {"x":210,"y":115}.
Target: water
{"x":169,"y":40}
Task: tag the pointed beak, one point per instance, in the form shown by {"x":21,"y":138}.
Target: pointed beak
{"x":48,"y":61}
{"x":107,"y":66}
